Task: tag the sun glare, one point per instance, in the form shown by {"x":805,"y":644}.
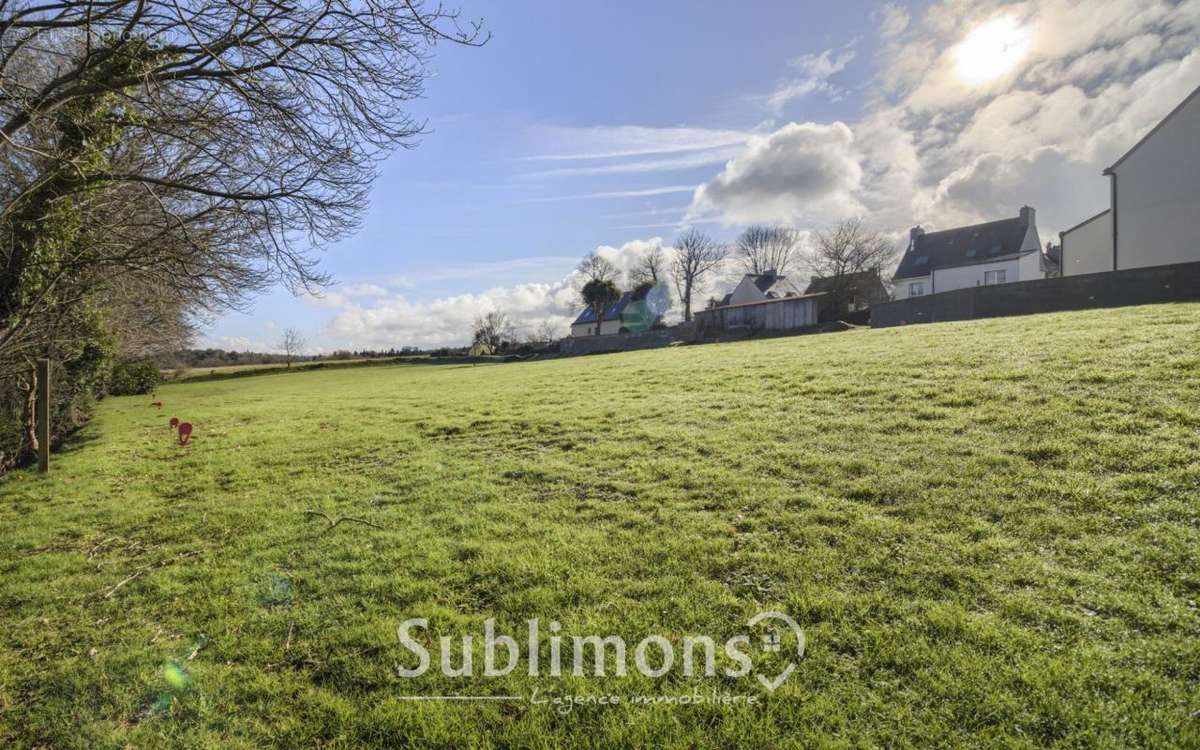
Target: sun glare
{"x":992,"y":50}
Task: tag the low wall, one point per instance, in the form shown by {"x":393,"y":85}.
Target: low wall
{"x":624,"y":342}
{"x":1135,"y":286}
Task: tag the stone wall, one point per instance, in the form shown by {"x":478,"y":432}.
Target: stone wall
{"x":1136,"y":286}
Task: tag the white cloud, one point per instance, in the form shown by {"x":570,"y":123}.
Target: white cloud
{"x":814,"y":74}
{"x":606,"y":142}
{"x":994,"y":186}
{"x":635,"y":193}
{"x":540,"y":266}
{"x":800,"y":173}
{"x":893,"y":21}
{"x":689,"y":160}
{"x":364,"y":290}
{"x":938,"y":147}
{"x":237,"y":344}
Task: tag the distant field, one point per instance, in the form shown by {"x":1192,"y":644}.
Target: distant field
{"x":190,"y":373}
{"x":990,"y":532}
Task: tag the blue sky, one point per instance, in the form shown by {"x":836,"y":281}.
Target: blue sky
{"x":611,"y":126}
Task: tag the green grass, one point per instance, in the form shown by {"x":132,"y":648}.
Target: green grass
{"x":193,"y":373}
{"x":989,"y":531}
{"x":188,"y":373}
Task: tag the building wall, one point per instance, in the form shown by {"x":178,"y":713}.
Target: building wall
{"x":1088,"y":247}
{"x":1032,"y":241}
{"x":901,"y":291}
{"x":773,"y":315}
{"x":746,"y":291}
{"x":589,"y":329}
{"x":946,"y":279}
{"x":1157,"y":195}
{"x":1029,"y":267}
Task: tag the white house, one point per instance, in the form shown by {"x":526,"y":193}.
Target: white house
{"x":1155,"y":195}
{"x":634,"y":311}
{"x":585,"y":324}
{"x":760,"y":287}
{"x":998,"y":252}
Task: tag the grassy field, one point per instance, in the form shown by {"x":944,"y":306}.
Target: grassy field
{"x":990,"y":532}
{"x":193,"y":373}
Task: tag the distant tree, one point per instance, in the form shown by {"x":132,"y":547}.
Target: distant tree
{"x":761,"y":248}
{"x":292,"y":345}
{"x":544,"y":333}
{"x":595,"y":267}
{"x":847,"y":249}
{"x":493,"y":331}
{"x":651,"y":267}
{"x":597,"y":295}
{"x":696,"y":256}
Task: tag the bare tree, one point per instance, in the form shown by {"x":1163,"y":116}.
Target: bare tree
{"x":544,"y":333}
{"x":848,"y":249}
{"x":493,"y":332}
{"x":767,"y":248}
{"x":292,"y":344}
{"x":208,"y":147}
{"x":696,"y":256}
{"x":596,"y":267}
{"x":651,"y":267}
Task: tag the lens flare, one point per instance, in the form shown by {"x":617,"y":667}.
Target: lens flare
{"x":993,"y":49}
{"x":175,"y":675}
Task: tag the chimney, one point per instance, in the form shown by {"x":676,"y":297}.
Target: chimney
{"x":913,"y":234}
{"x":1028,"y":215}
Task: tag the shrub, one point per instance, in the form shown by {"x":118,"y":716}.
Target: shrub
{"x":133,"y":378}
{"x":78,"y":373}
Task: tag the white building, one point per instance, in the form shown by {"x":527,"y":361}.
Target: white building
{"x":1155,"y":195}
{"x":759,"y":288}
{"x":1087,"y":246}
{"x":633,"y":312}
{"x":585,"y":324}
{"x":998,"y":252}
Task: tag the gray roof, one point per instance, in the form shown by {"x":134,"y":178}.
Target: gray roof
{"x":862,"y":279}
{"x":964,"y":246}
{"x":773,"y":285}
{"x":610,"y":313}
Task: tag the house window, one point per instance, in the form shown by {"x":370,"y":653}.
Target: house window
{"x":916,"y":288}
{"x":994,"y":277}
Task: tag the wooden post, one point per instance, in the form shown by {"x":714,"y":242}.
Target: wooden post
{"x":43,"y":414}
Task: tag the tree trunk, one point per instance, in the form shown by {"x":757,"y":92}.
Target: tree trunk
{"x":687,"y":301}
{"x":29,"y":419}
